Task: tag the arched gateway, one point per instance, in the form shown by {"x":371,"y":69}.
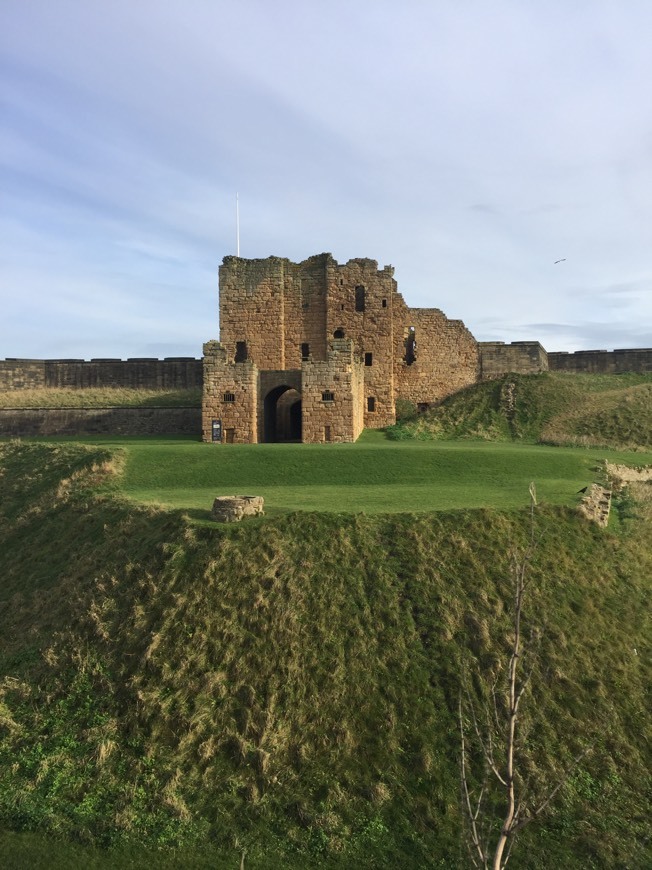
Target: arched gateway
{"x":280,"y":414}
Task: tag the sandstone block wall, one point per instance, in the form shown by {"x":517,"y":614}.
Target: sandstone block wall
{"x":152,"y":374}
{"x":22,"y":374}
{"x":361,"y":300}
{"x":522,"y":357}
{"x":602,"y":361}
{"x":223,"y":378}
{"x":446,"y":355}
{"x":337,"y":417}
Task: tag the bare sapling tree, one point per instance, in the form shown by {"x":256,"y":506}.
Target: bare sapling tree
{"x":489,"y":740}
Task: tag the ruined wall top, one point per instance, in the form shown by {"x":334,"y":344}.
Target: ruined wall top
{"x":274,"y":263}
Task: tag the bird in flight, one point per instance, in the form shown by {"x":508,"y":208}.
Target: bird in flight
{"x":563,"y":260}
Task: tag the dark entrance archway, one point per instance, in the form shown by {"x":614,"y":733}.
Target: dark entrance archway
{"x":282,"y":415}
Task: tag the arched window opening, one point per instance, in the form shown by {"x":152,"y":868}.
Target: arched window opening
{"x":410,"y":346}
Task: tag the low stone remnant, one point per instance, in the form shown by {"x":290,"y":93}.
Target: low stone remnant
{"x":622,"y":474}
{"x":232,"y":508}
{"x":596,"y":504}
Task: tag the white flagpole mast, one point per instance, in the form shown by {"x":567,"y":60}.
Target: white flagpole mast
{"x":237,"y":224}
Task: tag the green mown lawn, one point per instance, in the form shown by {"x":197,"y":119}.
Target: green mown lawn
{"x":374,"y":475}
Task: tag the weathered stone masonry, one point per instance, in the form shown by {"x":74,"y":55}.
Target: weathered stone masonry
{"x":312,"y":351}
{"x":152,"y":374}
{"x":316,"y":351}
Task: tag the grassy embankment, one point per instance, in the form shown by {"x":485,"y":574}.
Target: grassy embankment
{"x":374,"y":475}
{"x":290,"y":686}
{"x":101,"y":397}
{"x":553,"y":408}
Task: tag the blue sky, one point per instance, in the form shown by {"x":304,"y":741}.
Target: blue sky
{"x":469,"y":143}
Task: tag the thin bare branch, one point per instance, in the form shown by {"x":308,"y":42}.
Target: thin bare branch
{"x":501,"y":728}
{"x":542,"y":806}
{"x":472,"y":817}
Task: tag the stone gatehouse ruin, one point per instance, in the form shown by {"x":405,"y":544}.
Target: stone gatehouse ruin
{"x":316,"y":351}
{"x":309,"y":351}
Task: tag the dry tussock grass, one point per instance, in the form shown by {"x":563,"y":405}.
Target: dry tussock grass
{"x":313,"y":662}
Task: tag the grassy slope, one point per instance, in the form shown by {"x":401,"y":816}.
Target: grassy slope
{"x":290,"y":685}
{"x":374,"y":475}
{"x":101,"y":397}
{"x":611,"y":410}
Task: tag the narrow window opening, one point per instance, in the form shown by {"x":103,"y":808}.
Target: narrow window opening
{"x":241,"y":351}
{"x":228,"y":397}
{"x":342,"y":307}
{"x":368,"y":359}
{"x":327,"y":433}
{"x":359,"y":298}
{"x":328,"y":396}
{"x":339,"y":333}
{"x":371,"y":403}
{"x":384,"y":303}
{"x":410,"y":346}
{"x":305,"y":351}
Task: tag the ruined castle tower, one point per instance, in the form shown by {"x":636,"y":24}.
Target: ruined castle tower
{"x":316,"y":352}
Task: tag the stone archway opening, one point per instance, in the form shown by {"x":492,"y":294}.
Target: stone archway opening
{"x":282,"y":415}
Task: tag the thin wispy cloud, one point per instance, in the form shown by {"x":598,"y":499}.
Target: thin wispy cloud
{"x":470,"y":145}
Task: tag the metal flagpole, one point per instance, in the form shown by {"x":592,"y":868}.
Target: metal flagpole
{"x":237,"y":224}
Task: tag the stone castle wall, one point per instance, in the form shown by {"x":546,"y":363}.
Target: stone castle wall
{"x":225,"y":379}
{"x":446,"y":356}
{"x":361,"y":302}
{"x":611,"y":362}
{"x":153,"y":374}
{"x":332,"y":398}
{"x":522,"y":357}
{"x":529,"y":357}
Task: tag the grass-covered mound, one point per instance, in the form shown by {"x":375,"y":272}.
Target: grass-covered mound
{"x":374,"y":475}
{"x":553,"y":407}
{"x":290,"y":686}
{"x":101,"y":397}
